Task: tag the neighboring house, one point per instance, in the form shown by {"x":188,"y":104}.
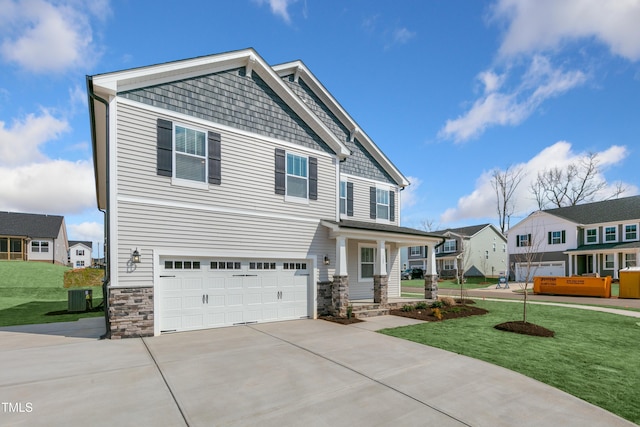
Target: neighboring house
{"x":33,"y":237}
{"x":80,"y":254}
{"x":593,"y":238}
{"x":238,"y":192}
{"x":480,"y":250}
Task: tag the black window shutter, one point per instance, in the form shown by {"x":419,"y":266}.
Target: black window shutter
{"x":349,"y":198}
{"x":215,"y":159}
{"x":549,"y":237}
{"x":518,"y":241}
{"x":564,"y":236}
{"x":392,"y":206}
{"x":529,"y":243}
{"x":164,"y":147}
{"x":281,"y":164}
{"x":313,"y":178}
{"x":372,"y":202}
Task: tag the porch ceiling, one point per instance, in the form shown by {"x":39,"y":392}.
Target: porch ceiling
{"x":401,"y":236}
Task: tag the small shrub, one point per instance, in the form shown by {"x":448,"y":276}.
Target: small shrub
{"x":447,"y":301}
{"x":407,"y":307}
{"x":437,"y":304}
{"x":349,"y":311}
{"x":421,"y":305}
{"x":437,"y":313}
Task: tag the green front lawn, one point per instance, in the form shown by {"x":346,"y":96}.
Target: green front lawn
{"x":593,"y":356}
{"x":31,"y":290}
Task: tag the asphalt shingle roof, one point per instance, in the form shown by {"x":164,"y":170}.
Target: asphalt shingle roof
{"x":624,"y":209}
{"x":30,"y":225}
{"x":83,"y":242}
{"x":463,"y":231}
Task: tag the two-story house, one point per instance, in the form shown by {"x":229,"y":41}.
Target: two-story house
{"x":239,"y":192}
{"x":479,"y":250}
{"x":80,"y":253}
{"x":593,"y":238}
{"x":33,"y":237}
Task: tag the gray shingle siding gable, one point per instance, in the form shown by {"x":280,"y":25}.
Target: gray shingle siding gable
{"x":360,"y":163}
{"x":623,"y":209}
{"x":232,"y":99}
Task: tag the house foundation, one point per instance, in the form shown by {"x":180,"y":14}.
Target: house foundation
{"x":340,"y":296}
{"x":380,"y":285}
{"x":431,"y":287}
{"x":130,"y":312}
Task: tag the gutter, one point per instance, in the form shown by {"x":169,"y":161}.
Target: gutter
{"x":107,"y":253}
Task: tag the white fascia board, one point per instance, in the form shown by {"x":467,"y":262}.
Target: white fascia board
{"x":326,"y":97}
{"x":374,"y":235}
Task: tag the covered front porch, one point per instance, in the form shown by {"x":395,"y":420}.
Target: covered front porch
{"x":367,"y":266}
{"x":603,"y":260}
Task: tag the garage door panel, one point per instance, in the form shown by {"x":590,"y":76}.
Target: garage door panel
{"x":223,"y":293}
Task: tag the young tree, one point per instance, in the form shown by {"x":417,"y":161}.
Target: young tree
{"x":579,"y":182}
{"x":528,"y":259}
{"x":505,"y":184}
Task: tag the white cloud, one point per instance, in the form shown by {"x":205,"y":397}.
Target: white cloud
{"x":55,"y":187}
{"x":540,"y":82}
{"x":410,"y":194}
{"x":540,"y":25}
{"x":19,"y":144}
{"x":46,"y":37}
{"x":87,"y":231}
{"x":481,"y":204}
{"x":279,"y":8}
{"x":402,"y":35}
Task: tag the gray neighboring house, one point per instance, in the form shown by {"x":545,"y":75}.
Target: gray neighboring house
{"x":593,"y":238}
{"x":481,"y":250}
{"x":238,"y":192}
{"x":33,"y":237}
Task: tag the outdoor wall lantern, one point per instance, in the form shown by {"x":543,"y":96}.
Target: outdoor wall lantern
{"x":326,"y":260}
{"x":135,"y":257}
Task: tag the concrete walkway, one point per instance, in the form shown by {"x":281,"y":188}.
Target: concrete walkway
{"x":305,"y":372}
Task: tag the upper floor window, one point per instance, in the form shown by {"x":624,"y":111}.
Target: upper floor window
{"x":556,"y":237}
{"x":190,"y":154}
{"x":449,"y":246}
{"x":631,"y":232}
{"x":297,"y":176}
{"x":39,"y":246}
{"x":80,"y":252}
{"x":610,"y":234}
{"x":523,"y":240}
{"x":591,"y":235}
{"x":343,"y":197}
{"x":486,"y":254}
{"x":382,"y":203}
{"x":415,"y":250}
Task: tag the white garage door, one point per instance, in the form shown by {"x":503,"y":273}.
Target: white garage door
{"x":539,"y":269}
{"x":198,"y":293}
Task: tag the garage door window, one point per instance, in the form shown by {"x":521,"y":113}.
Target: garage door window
{"x":262,"y":266}
{"x":182,"y":265}
{"x":294,"y":266}
{"x":225,"y":265}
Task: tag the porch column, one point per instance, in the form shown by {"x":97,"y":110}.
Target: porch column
{"x":431,"y":275}
{"x":595,"y":264}
{"x":380,"y":278}
{"x":340,"y":287}
{"x":616,"y":264}
{"x":570,"y":265}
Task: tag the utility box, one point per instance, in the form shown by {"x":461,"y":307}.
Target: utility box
{"x":79,"y":300}
{"x":629,"y":283}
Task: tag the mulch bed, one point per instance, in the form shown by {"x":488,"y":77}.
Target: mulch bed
{"x":525,"y":328}
{"x":341,"y":320}
{"x":454,"y":312}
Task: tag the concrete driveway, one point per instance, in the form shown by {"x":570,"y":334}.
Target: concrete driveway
{"x":306,"y":372}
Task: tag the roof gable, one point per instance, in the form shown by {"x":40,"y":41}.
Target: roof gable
{"x":73,"y":243}
{"x":467,"y":231}
{"x":296,"y":71}
{"x":30,"y":225}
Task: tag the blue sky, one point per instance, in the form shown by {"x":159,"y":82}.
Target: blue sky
{"x":449,"y":90}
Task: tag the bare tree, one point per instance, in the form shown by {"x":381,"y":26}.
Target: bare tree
{"x":505,"y":184}
{"x":528,"y":260}
{"x":428,"y":224}
{"x":578,"y":183}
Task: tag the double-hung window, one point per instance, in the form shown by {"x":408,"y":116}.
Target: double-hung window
{"x":343,"y":197}
{"x":190,"y":154}
{"x":556,"y":237}
{"x":382,"y":203}
{"x":523,"y":240}
{"x":39,"y":246}
{"x":80,"y":252}
{"x":608,"y":261}
{"x":448,"y":264}
{"x":610,"y":234}
{"x":297,"y":176}
{"x":591,"y":236}
{"x":415,"y":250}
{"x":368,"y":260}
{"x":631,"y":232}
{"x":449,"y":246}
{"x":629,"y":260}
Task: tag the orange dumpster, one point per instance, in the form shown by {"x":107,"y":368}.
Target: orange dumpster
{"x":575,"y":285}
{"x":629,"y":283}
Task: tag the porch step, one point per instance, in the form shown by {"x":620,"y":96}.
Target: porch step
{"x":370,"y":313}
